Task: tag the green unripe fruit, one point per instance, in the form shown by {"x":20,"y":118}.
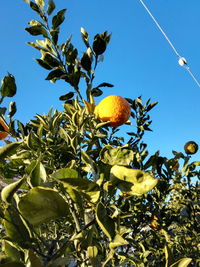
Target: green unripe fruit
{"x":99,"y":45}
{"x":191,"y":148}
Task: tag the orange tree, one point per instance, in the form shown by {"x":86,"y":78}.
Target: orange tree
{"x":73,"y":192}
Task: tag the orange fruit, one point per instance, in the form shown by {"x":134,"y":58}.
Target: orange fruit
{"x":114,"y":109}
{"x":4,"y":133}
{"x":191,"y":147}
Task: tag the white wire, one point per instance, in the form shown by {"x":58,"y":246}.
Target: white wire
{"x":192,"y":75}
{"x":170,"y":43}
{"x":159,"y":27}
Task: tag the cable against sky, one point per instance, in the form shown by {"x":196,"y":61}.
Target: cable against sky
{"x":181,"y":60}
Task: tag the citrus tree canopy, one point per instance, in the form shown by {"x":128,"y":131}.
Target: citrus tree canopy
{"x":73,"y":191}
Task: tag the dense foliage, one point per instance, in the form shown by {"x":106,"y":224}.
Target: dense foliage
{"x":73,"y":192}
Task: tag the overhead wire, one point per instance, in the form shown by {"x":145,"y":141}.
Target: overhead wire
{"x":181,"y":60}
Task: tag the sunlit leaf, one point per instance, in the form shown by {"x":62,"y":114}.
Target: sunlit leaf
{"x":10,"y":250}
{"x":117,"y":242}
{"x":33,"y":141}
{"x":40,"y":3}
{"x":12,"y":109}
{"x":37,"y":30}
{"x":85,"y":37}
{"x":116,"y":156}
{"x":184,"y":262}
{"x":150,"y":106}
{"x":8,"y":150}
{"x":132,"y":181}
{"x":8,"y":191}
{"x":50,"y":59}
{"x":42,"y":204}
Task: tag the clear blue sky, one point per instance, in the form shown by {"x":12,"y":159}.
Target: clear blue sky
{"x":138,"y":61}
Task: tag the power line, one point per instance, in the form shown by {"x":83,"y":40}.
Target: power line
{"x":181,"y":60}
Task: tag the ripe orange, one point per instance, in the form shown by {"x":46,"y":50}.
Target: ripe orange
{"x":113,"y":108}
{"x":4,"y":133}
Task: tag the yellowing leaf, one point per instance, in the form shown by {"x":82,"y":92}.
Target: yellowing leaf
{"x":132,"y":181}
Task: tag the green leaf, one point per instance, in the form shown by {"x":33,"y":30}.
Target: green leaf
{"x":41,"y":205}
{"x":85,"y":37}
{"x":12,"y":109}
{"x":9,"y":150}
{"x":102,"y":124}
{"x":67,"y":96}
{"x":92,"y":251}
{"x":65,"y":173}
{"x":104,"y":221}
{"x":50,"y":60}
{"x":63,"y":134}
{"x":15,"y":228}
{"x":51,"y":7}
{"x":55,"y":74}
{"x":8,"y":191}
{"x":8,"y":86}
{"x":71,"y":180}
{"x":34,"y":22}
{"x":99,"y":45}
{"x":96,"y":92}
{"x":132,"y":181}
{"x":68,"y":173}
{"x":184,"y":262}
{"x":13,"y":263}
{"x":37,"y":30}
{"x":89,"y":189}
{"x":35,"y":7}
{"x":58,"y":18}
{"x":117,"y":242}
{"x":43,"y":64}
{"x":33,"y":141}
{"x":86,"y":62}
{"x":10,"y":250}
{"x":152,"y":105}
{"x":54,"y":35}
{"x":40,"y":3}
{"x":116,"y":156}
{"x":168,"y":255}
{"x":89,"y":163}
{"x":105,"y":85}
{"x":33,"y":260}
{"x":36,"y":172}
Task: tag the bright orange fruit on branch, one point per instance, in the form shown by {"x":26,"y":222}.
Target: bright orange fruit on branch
{"x":4,"y":133}
{"x":113,"y":108}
